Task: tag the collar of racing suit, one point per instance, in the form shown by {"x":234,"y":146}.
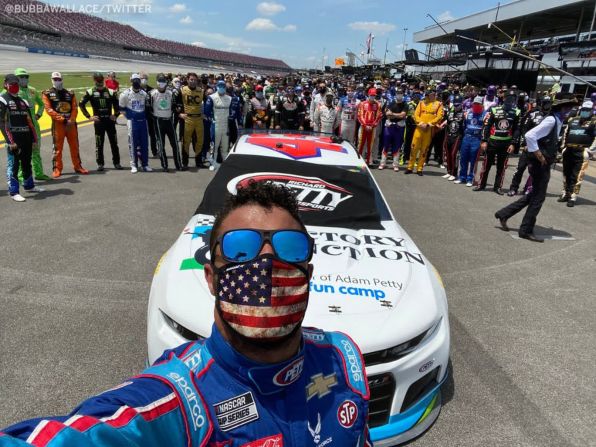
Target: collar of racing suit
{"x":264,"y":377}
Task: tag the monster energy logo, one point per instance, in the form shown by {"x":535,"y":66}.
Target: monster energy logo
{"x":102,"y":103}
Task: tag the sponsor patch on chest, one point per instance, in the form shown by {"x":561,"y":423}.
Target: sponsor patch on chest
{"x":235,"y":412}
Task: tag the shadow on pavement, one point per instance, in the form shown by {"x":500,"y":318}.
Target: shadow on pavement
{"x":51,"y":193}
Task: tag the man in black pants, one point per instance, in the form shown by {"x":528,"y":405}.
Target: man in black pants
{"x":162,"y":111}
{"x":150,"y":122}
{"x":104,"y":103}
{"x":410,"y":126}
{"x":499,"y":137}
{"x":16,"y":126}
{"x":543,"y":145}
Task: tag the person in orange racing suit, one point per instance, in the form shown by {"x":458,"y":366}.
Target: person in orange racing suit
{"x":61,"y":106}
{"x":369,"y":116}
{"x":428,"y":114}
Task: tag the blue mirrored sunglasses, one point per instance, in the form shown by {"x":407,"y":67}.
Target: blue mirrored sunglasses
{"x":243,"y":245}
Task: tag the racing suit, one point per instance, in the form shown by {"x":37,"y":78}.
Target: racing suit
{"x":470,"y":145}
{"x":369,"y":116}
{"x":162,"y":106}
{"x":348,"y":116}
{"x":501,"y":129}
{"x":453,"y":137}
{"x":178,"y":109}
{"x":532,"y":119}
{"x":289,"y":114}
{"x":488,"y":103}
{"x":578,"y":141}
{"x":394,"y":134}
{"x":33,"y":98}
{"x":429,"y":113}
{"x":151,"y":124}
{"x":306,"y":101}
{"x":410,"y":129}
{"x":17,"y":128}
{"x":326,"y":118}
{"x":206,"y":393}
{"x":236,"y":117}
{"x":134,"y":105}
{"x":259,"y":113}
{"x":221,"y":117}
{"x":61,"y":105}
{"x":191,"y":103}
{"x":437,"y":144}
{"x":103,"y":102}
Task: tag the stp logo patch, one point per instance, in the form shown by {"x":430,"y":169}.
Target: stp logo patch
{"x":269,"y":441}
{"x":347,"y":413}
{"x":290,"y":373}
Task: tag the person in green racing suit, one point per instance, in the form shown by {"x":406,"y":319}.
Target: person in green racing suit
{"x":33,"y":97}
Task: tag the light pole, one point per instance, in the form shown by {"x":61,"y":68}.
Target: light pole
{"x":403,"y":48}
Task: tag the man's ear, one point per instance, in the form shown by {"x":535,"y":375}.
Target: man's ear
{"x":209,"y":277}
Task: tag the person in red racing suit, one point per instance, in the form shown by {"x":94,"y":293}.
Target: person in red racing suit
{"x":369,"y":116}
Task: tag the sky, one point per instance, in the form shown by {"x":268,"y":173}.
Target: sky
{"x":303,"y":33}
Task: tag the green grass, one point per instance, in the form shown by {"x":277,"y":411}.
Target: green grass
{"x":80,"y":80}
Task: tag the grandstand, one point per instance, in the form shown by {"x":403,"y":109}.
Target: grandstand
{"x":93,"y":36}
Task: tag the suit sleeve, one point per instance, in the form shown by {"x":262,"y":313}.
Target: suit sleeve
{"x":438,"y":117}
{"x":488,"y":124}
{"x":38,"y":104}
{"x":74,"y":111}
{"x":4,"y":122}
{"x":83,"y":104}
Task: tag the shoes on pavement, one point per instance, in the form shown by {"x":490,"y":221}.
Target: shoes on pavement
{"x":446,"y":176}
{"x":35,"y":189}
{"x":81,"y":171}
{"x":118,"y":166}
{"x":563,"y":199}
{"x":395,"y":168}
{"x":442,"y":166}
{"x":479,"y":188}
{"x":42,"y":177}
{"x":408,"y":171}
{"x":498,"y":191}
{"x":469,"y":184}
{"x":147,"y":169}
{"x":451,"y":178}
{"x":381,"y":166}
{"x":457,"y":182}
{"x":18,"y":198}
{"x":502,"y":222}
{"x":420,"y":173}
{"x":511,"y":193}
{"x":530,"y":237}
{"x":56,"y":173}
{"x":571,"y":203}
{"x":99,"y":168}
{"x":133,"y":170}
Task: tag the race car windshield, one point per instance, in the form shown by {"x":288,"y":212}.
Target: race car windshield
{"x":332,"y":196}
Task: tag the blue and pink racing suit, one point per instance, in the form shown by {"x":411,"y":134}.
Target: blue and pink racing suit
{"x":134,"y":105}
{"x":207,"y":394}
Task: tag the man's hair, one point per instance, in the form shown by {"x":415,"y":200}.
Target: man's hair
{"x":188,"y":75}
{"x":266,"y":195}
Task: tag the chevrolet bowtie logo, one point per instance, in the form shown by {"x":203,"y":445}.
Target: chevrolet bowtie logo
{"x":319,"y":385}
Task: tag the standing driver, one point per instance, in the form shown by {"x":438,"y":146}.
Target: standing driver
{"x":260,"y":379}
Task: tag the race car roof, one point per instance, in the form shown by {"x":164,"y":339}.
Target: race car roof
{"x":308,"y":148}
{"x":330,"y":196}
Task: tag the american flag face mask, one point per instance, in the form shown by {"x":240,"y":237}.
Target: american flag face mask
{"x":265,"y":298}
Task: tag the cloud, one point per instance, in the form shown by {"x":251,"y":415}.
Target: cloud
{"x":445,"y":17}
{"x":270,"y":8}
{"x":198,"y":44}
{"x":186,"y":20}
{"x":373,"y":27}
{"x":261,"y":24}
{"x":178,"y":7}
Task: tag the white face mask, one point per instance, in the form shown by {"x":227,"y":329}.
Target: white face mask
{"x":177,"y":84}
{"x":57,"y":85}
{"x":143,"y":82}
{"x":162,"y":85}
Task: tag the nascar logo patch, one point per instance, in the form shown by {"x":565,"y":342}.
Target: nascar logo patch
{"x":235,"y":412}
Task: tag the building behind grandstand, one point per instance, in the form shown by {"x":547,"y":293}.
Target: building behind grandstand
{"x":84,"y":35}
{"x":557,"y":32}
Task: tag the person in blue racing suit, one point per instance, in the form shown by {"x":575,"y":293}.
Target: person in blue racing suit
{"x":134,"y":103}
{"x":260,"y":379}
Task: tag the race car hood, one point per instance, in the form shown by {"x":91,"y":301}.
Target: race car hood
{"x":373,"y":284}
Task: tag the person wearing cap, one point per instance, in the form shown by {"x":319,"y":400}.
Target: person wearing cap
{"x":61,"y":105}
{"x":18,"y":131}
{"x":326,"y":117}
{"x":429,"y":113}
{"x":190,"y":102}
{"x":543,"y":145}
{"x":306,"y":100}
{"x":412,"y":102}
{"x":33,"y":98}
{"x":134,"y":104}
{"x":348,"y":106}
{"x":104,"y":104}
{"x":578,"y":142}
{"x":259,"y":110}
{"x":112,"y":83}
{"x":221,"y":116}
{"x":470,"y":144}
{"x":529,"y":121}
{"x":150,"y":121}
{"x":395,"y":125}
{"x":289,"y":112}
{"x":500,"y":135}
{"x":369,"y":116}
{"x":162,"y":112}
{"x":490,"y":99}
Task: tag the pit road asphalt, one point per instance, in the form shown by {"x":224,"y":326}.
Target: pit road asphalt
{"x":77,"y":264}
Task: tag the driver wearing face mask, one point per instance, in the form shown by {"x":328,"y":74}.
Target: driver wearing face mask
{"x":190,"y":102}
{"x":162,"y":108}
{"x":221,"y":115}
{"x":260,"y":377}
{"x":259,"y":110}
{"x":61,"y":105}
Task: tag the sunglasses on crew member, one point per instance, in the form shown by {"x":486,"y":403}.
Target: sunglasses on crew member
{"x":23,"y":76}
{"x":243,"y":245}
{"x":56,"y":79}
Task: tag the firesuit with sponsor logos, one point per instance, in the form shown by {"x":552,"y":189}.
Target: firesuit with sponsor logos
{"x":207,"y":394}
{"x":134,"y":105}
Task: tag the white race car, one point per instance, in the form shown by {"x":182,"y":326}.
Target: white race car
{"x":370,"y":280}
